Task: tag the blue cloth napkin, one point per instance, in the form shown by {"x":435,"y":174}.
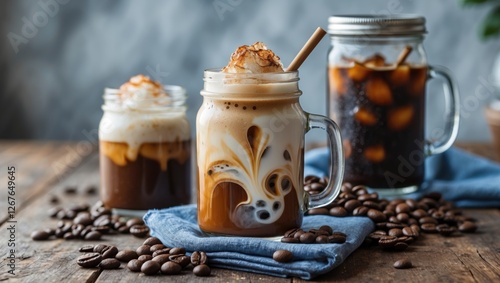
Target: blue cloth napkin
{"x":178,"y":227}
{"x":466,"y":179}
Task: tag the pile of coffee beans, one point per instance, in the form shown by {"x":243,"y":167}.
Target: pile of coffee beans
{"x":82,"y":221}
{"x":398,"y":222}
{"x":151,"y":258}
{"x":322,"y":235}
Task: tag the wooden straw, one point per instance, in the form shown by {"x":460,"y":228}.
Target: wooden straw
{"x":306,"y":50}
{"x":404,"y":54}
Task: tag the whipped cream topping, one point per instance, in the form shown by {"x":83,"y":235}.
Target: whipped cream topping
{"x":254,"y":59}
{"x":144,"y":111}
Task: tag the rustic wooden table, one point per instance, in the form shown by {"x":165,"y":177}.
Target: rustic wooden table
{"x":45,"y":169}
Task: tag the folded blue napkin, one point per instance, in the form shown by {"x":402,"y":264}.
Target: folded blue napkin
{"x":465,"y":179}
{"x":178,"y":227}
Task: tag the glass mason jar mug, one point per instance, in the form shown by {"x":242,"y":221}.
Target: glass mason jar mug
{"x":250,"y":149}
{"x":145,"y":151}
{"x":377,"y":74}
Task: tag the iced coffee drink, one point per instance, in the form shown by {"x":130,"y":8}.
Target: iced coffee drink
{"x":250,"y":147}
{"x":380,"y":110}
{"x":144,"y":144}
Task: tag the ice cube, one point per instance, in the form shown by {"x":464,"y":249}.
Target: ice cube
{"x":378,"y":91}
{"x":399,"y":118}
{"x":374,"y":153}
{"x":365,"y":117}
{"x":400,"y":76}
{"x":358,"y":72}
{"x":377,"y":60}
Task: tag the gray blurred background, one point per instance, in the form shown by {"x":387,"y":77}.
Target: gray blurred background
{"x":53,"y":75}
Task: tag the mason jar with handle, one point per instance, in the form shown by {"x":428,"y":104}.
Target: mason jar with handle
{"x":250,"y":148}
{"x":377,"y":75}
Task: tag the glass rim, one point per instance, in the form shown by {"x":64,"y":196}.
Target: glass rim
{"x":216,"y":74}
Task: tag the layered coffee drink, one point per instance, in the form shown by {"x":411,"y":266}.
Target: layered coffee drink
{"x":145,"y":147}
{"x":379,"y":107}
{"x":250,"y":142}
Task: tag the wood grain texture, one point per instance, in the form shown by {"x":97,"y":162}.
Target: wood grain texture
{"x":468,"y":258}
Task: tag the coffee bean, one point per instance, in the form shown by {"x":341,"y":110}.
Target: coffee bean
{"x":144,"y":250}
{"x":198,"y":257}
{"x":161,"y":252}
{"x":40,"y":235}
{"x":150,"y":267}
{"x":402,"y":208}
{"x":157,"y":247}
{"x":321,"y":239}
{"x":445,"y":230}
{"x":350,"y":205}
{"x":427,"y":219}
{"x":282,"y":256}
{"x":318,"y":211}
{"x":360,"y":211}
{"x":69,"y":236}
{"x":428,"y":227}
{"x":161,"y":259}
{"x":178,"y":250}
{"x":371,"y":204}
{"x":89,"y":260}
{"x":298,"y":234}
{"x":109,"y":263}
{"x":290,"y":240}
{"x":376,"y":215}
{"x":134,"y":265}
{"x":387,"y":241}
{"x":145,"y":258}
{"x":99,"y":248}
{"x":93,"y":236}
{"x":397,"y":232}
{"x":86,"y":249}
{"x":139,"y":231}
{"x":182,"y":260}
{"x":407,"y":231}
{"x":202,"y":270}
{"x":126,"y":255}
{"x":337,"y":238}
{"x":467,"y":227}
{"x":326,"y":228}
{"x":338,"y":211}
{"x":403,"y":264}
{"x":171,"y":268}
{"x":53,"y":212}
{"x":151,"y":241}
{"x":134,"y":221}
{"x":307,"y":238}
{"x":419,"y":213}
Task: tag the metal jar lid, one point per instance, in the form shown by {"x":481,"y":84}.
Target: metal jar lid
{"x":370,"y":25}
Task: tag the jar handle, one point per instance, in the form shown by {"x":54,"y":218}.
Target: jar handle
{"x":452,"y":111}
{"x":336,"y":172}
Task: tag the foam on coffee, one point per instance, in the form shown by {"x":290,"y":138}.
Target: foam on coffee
{"x":136,"y":132}
{"x":264,"y":174}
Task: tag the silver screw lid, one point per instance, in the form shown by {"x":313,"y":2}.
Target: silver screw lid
{"x":370,"y":25}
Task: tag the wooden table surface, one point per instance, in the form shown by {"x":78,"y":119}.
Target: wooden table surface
{"x":44,"y":169}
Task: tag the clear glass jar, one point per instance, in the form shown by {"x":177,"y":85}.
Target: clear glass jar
{"x":145,"y":152}
{"x":377,"y":74}
{"x":250,"y":149}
